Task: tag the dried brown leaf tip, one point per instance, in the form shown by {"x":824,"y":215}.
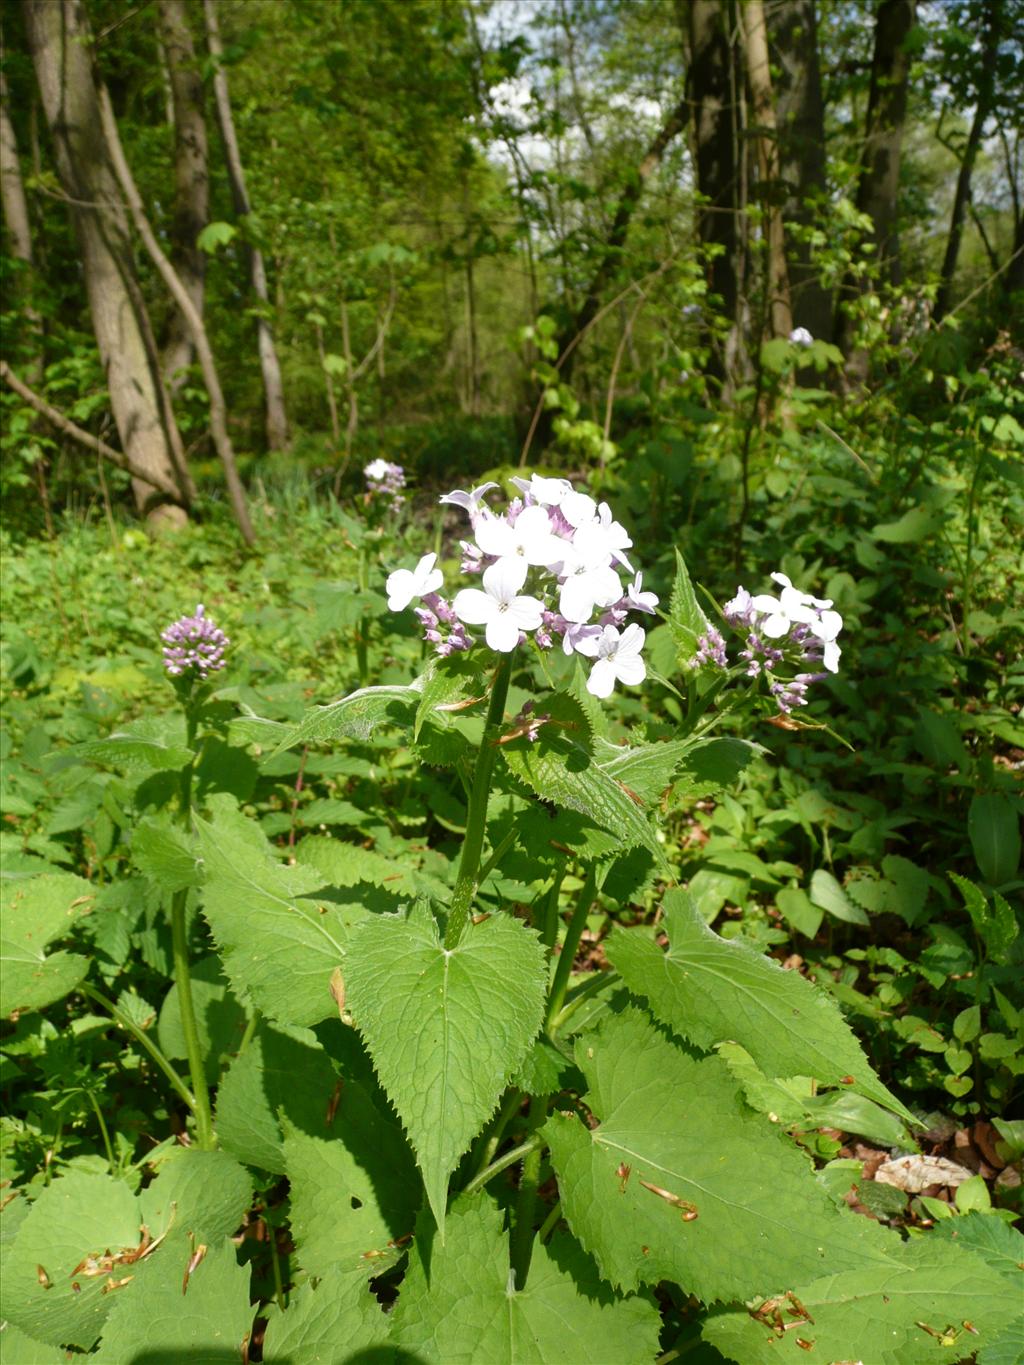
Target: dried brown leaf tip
{"x":773,"y":1313}
{"x":194,"y":1261}
{"x":43,"y":1278}
{"x":92,"y":1265}
{"x":113,"y":1284}
{"x":623,"y":1174}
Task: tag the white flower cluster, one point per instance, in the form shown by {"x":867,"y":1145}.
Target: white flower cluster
{"x":778,"y":630}
{"x":572,"y":552}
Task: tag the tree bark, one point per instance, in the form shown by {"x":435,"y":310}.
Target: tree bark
{"x":276,"y":419}
{"x":793,"y":41}
{"x":778,"y":312}
{"x":15,"y":207}
{"x":878,"y":187}
{"x":982,"y":108}
{"x":191,"y":179}
{"x":718,"y":160}
{"x":59,"y":40}
{"x":197,"y":332}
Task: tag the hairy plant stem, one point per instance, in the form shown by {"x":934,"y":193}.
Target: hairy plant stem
{"x":182,"y":969}
{"x":509,"y":1158}
{"x":563,"y":967}
{"x":548,"y":1226}
{"x":526,"y":1199}
{"x":489,"y":1142}
{"x":473,"y":843}
{"x":363,"y":625}
{"x":129,"y":1026}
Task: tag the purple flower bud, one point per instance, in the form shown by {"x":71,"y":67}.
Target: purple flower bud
{"x":711,"y":649}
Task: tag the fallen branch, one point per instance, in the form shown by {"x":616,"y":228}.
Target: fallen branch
{"x":85,"y":438}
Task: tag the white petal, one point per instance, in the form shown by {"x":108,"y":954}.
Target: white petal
{"x":401,"y":586}
{"x":601,"y":682}
{"x":782,"y":579}
{"x":578,"y":509}
{"x":502,"y":633}
{"x":829,"y":626}
{"x":474,"y":607}
{"x":527,"y":612}
{"x":831,"y":656}
{"x":584,"y":640}
{"x":631,"y":670}
{"x":495,"y":536}
{"x":775,"y":626}
{"x":576,"y":599}
{"x":504,"y":579}
{"x":632,"y":641}
{"x":431,"y":583}
{"x":764,"y":601}
{"x":606,"y":586}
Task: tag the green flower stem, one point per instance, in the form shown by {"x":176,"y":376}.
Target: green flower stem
{"x":488,"y":1144}
{"x":104,"y":1131}
{"x":580,"y":996}
{"x":129,"y":1026}
{"x":472,"y":846}
{"x":548,"y":1225}
{"x":496,"y":857}
{"x":549,"y":923}
{"x":193,"y":1047}
{"x":509,"y":1158}
{"x":563,"y":968}
{"x":363,"y":624}
{"x":526,"y":1200}
{"x":182,"y":968}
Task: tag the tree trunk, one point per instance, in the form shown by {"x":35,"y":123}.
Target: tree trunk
{"x":191,"y":179}
{"x":982,"y":108}
{"x":793,"y":39}
{"x":197,"y":332}
{"x":277,"y":423}
{"x":778,"y":312}
{"x":718,"y":160}
{"x":15,"y":207}
{"x":878,"y":187}
{"x":59,"y":39}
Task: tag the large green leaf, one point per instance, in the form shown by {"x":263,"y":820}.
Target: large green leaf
{"x":354,"y":1188}
{"x":459,"y":1306}
{"x":560,"y":766}
{"x":152,"y":742}
{"x":159,"y":1318}
{"x":203,"y":1193}
{"x":994,"y":829}
{"x":996,"y":924}
{"x":282,"y":1069}
{"x":445,"y":1028}
{"x":679,"y":1180}
{"x":77,"y":1216}
{"x":910,"y":1312}
{"x":330,"y":1322}
{"x":716,"y":764}
{"x":163,"y":852}
{"x":32,"y":914}
{"x":357,"y":715}
{"x":711,"y":991}
{"x":279,"y":948}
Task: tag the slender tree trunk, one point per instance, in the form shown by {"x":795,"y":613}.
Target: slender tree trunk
{"x":59,"y":39}
{"x":878,"y":187}
{"x":982,"y":108}
{"x":197,"y":332}
{"x":277,"y":422}
{"x":793,"y":39}
{"x":718,"y":159}
{"x":19,"y":227}
{"x":776,"y":275}
{"x":191,"y":179}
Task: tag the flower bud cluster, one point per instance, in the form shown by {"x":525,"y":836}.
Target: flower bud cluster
{"x":549,"y":565}
{"x":779,"y":631}
{"x":385,"y":481}
{"x":194,"y":642}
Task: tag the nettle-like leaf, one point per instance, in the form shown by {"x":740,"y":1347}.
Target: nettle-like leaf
{"x":163,"y":852}
{"x":680,"y":1181}
{"x":354,"y":1189}
{"x":715,"y":765}
{"x":57,"y":1278}
{"x":205,"y":1319}
{"x":446,"y":1028}
{"x":281,"y":1069}
{"x":336,"y":1318}
{"x":710,"y":991}
{"x":220,"y":1018}
{"x":560,"y":766}
{"x":156,"y":742}
{"x":32,"y":914}
{"x":279,"y":948}
{"x":685,"y":618}
{"x":910,"y":1312}
{"x":357,"y":715}
{"x":564,"y":1313}
{"x":448,"y":684}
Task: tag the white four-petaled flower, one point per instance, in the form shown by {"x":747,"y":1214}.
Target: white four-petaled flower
{"x":405,"y":584}
{"x":529,"y":540}
{"x":618,"y":659}
{"x":497,"y":606}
